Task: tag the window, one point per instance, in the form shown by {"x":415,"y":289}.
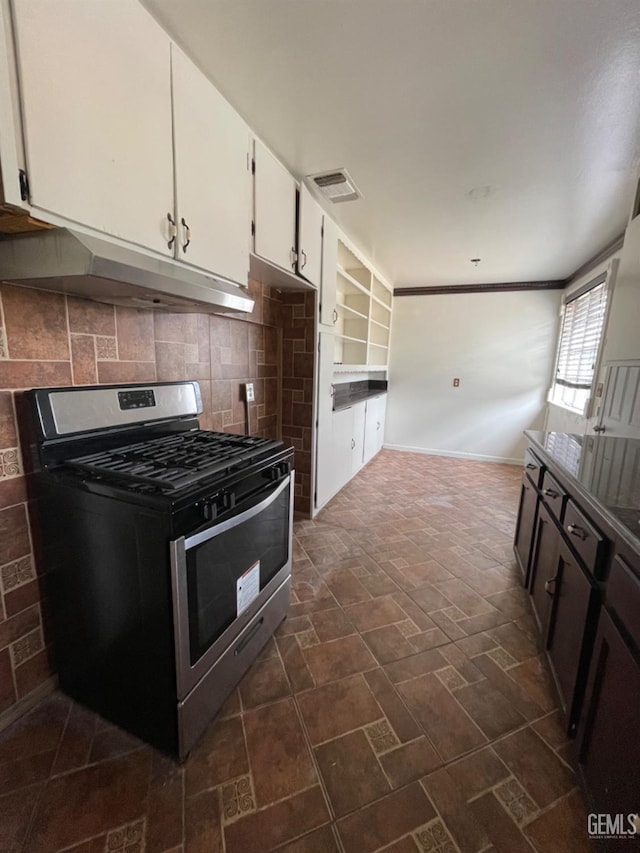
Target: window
{"x":582,"y":322}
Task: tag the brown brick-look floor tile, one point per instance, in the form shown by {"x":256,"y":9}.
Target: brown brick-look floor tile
{"x":403,"y":705}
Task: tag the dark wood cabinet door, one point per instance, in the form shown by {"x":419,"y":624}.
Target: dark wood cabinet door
{"x":525,"y":525}
{"x":570,"y":626}
{"x":609,"y":740}
{"x":544,"y":567}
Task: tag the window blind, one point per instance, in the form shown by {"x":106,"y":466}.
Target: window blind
{"x":580,"y":337}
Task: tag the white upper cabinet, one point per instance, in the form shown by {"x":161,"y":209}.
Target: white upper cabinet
{"x":310,"y":217}
{"x":274,"y":210}
{"x":96,"y":106}
{"x":328,"y":312}
{"x":213,"y":179}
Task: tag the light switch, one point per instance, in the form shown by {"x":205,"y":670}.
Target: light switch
{"x":248,"y":386}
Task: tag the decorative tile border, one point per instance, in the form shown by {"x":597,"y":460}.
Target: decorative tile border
{"x":408,"y":628}
{"x":237,"y":799}
{"x":106,"y":348}
{"x":516,"y":800}
{"x":130,"y":838}
{"x":17,"y":573}
{"x":434,"y":837}
{"x":10,"y":463}
{"x":502,"y":658}
{"x":381,"y":736}
{"x":26,"y":647}
{"x":451,"y":678}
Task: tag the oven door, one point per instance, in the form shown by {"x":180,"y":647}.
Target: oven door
{"x":223,"y":575}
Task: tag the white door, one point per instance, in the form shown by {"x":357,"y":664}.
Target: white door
{"x":96,"y":101}
{"x":326,"y":478}
{"x":309,"y":237}
{"x":213,"y":179}
{"x":620,"y":414}
{"x":274,"y":210}
{"x":328,"y":313}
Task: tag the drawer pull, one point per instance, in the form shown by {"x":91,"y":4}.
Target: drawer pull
{"x":551,"y":493}
{"x":547,"y":585}
{"x":574,"y":530}
{"x":530,"y":466}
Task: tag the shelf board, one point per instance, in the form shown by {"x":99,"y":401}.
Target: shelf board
{"x":353,"y":281}
{"x":378,"y":323}
{"x":338,"y":367}
{"x":349,"y":338}
{"x":380,"y":302}
{"x":351,"y":310}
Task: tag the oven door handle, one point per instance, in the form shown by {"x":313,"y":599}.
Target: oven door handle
{"x":217,"y":528}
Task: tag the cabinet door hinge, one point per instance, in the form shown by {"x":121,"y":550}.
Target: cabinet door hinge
{"x":24,"y":185}
{"x":253,"y":228}
{"x":253,"y":166}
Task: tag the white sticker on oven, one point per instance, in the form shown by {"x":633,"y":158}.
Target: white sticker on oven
{"x":248,"y":587}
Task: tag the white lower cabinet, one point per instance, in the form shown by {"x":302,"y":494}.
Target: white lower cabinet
{"x":374,"y":426}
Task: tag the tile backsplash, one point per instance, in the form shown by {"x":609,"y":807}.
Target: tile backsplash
{"x":48,"y":339}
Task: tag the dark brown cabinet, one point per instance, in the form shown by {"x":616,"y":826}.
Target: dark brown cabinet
{"x":544,"y":567}
{"x":571,"y":627}
{"x":525,"y":524}
{"x":609,"y":743}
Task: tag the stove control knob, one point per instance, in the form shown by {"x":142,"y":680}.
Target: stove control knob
{"x":227,"y":500}
{"x":210,"y":510}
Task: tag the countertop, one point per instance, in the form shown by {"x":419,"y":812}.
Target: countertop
{"x":605,"y":472}
{"x":345,"y":394}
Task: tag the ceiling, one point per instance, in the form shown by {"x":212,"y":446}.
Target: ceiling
{"x":493,"y":129}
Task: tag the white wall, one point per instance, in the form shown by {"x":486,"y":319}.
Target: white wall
{"x":500,"y":345}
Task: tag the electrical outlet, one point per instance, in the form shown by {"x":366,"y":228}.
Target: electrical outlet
{"x":248,"y":387}
{"x":456,"y":382}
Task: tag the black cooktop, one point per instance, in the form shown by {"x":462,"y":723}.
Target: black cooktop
{"x":175,"y":461}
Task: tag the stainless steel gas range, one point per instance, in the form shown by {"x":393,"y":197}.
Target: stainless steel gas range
{"x":166,"y":551}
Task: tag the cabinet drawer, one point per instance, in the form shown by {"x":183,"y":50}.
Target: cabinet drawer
{"x":554,"y":495}
{"x":585,"y":538}
{"x":623,"y":596}
{"x":534,"y":468}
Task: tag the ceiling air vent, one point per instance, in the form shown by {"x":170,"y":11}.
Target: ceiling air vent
{"x":336,"y":185}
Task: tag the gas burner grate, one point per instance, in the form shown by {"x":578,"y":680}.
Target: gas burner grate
{"x":176,"y":461}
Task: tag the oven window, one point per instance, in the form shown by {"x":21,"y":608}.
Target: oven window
{"x":213,"y":569}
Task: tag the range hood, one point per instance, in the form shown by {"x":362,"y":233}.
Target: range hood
{"x":95,"y":268}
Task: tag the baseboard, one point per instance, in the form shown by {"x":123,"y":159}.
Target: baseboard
{"x":454,"y":454}
{"x":24,"y":705}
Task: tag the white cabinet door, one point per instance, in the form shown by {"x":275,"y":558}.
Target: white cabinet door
{"x":274,"y":210}
{"x":343,"y":441}
{"x":357,"y":442}
{"x":309,"y":237}
{"x":374,"y":426}
{"x":213,"y":180}
{"x":326,"y":479}
{"x":96,"y":102}
{"x":328,"y":313}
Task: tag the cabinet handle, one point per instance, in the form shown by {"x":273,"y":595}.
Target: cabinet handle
{"x":551,"y":493}
{"x":353,"y":444}
{"x":530,"y":466}
{"x":378,"y":425}
{"x":599,"y":429}
{"x":547,"y":585}
{"x":187,"y":234}
{"x":294,"y":257}
{"x":335,"y":316}
{"x":574,"y":530}
{"x":304,"y":256}
{"x":331,"y":390}
{"x":173,"y":231}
